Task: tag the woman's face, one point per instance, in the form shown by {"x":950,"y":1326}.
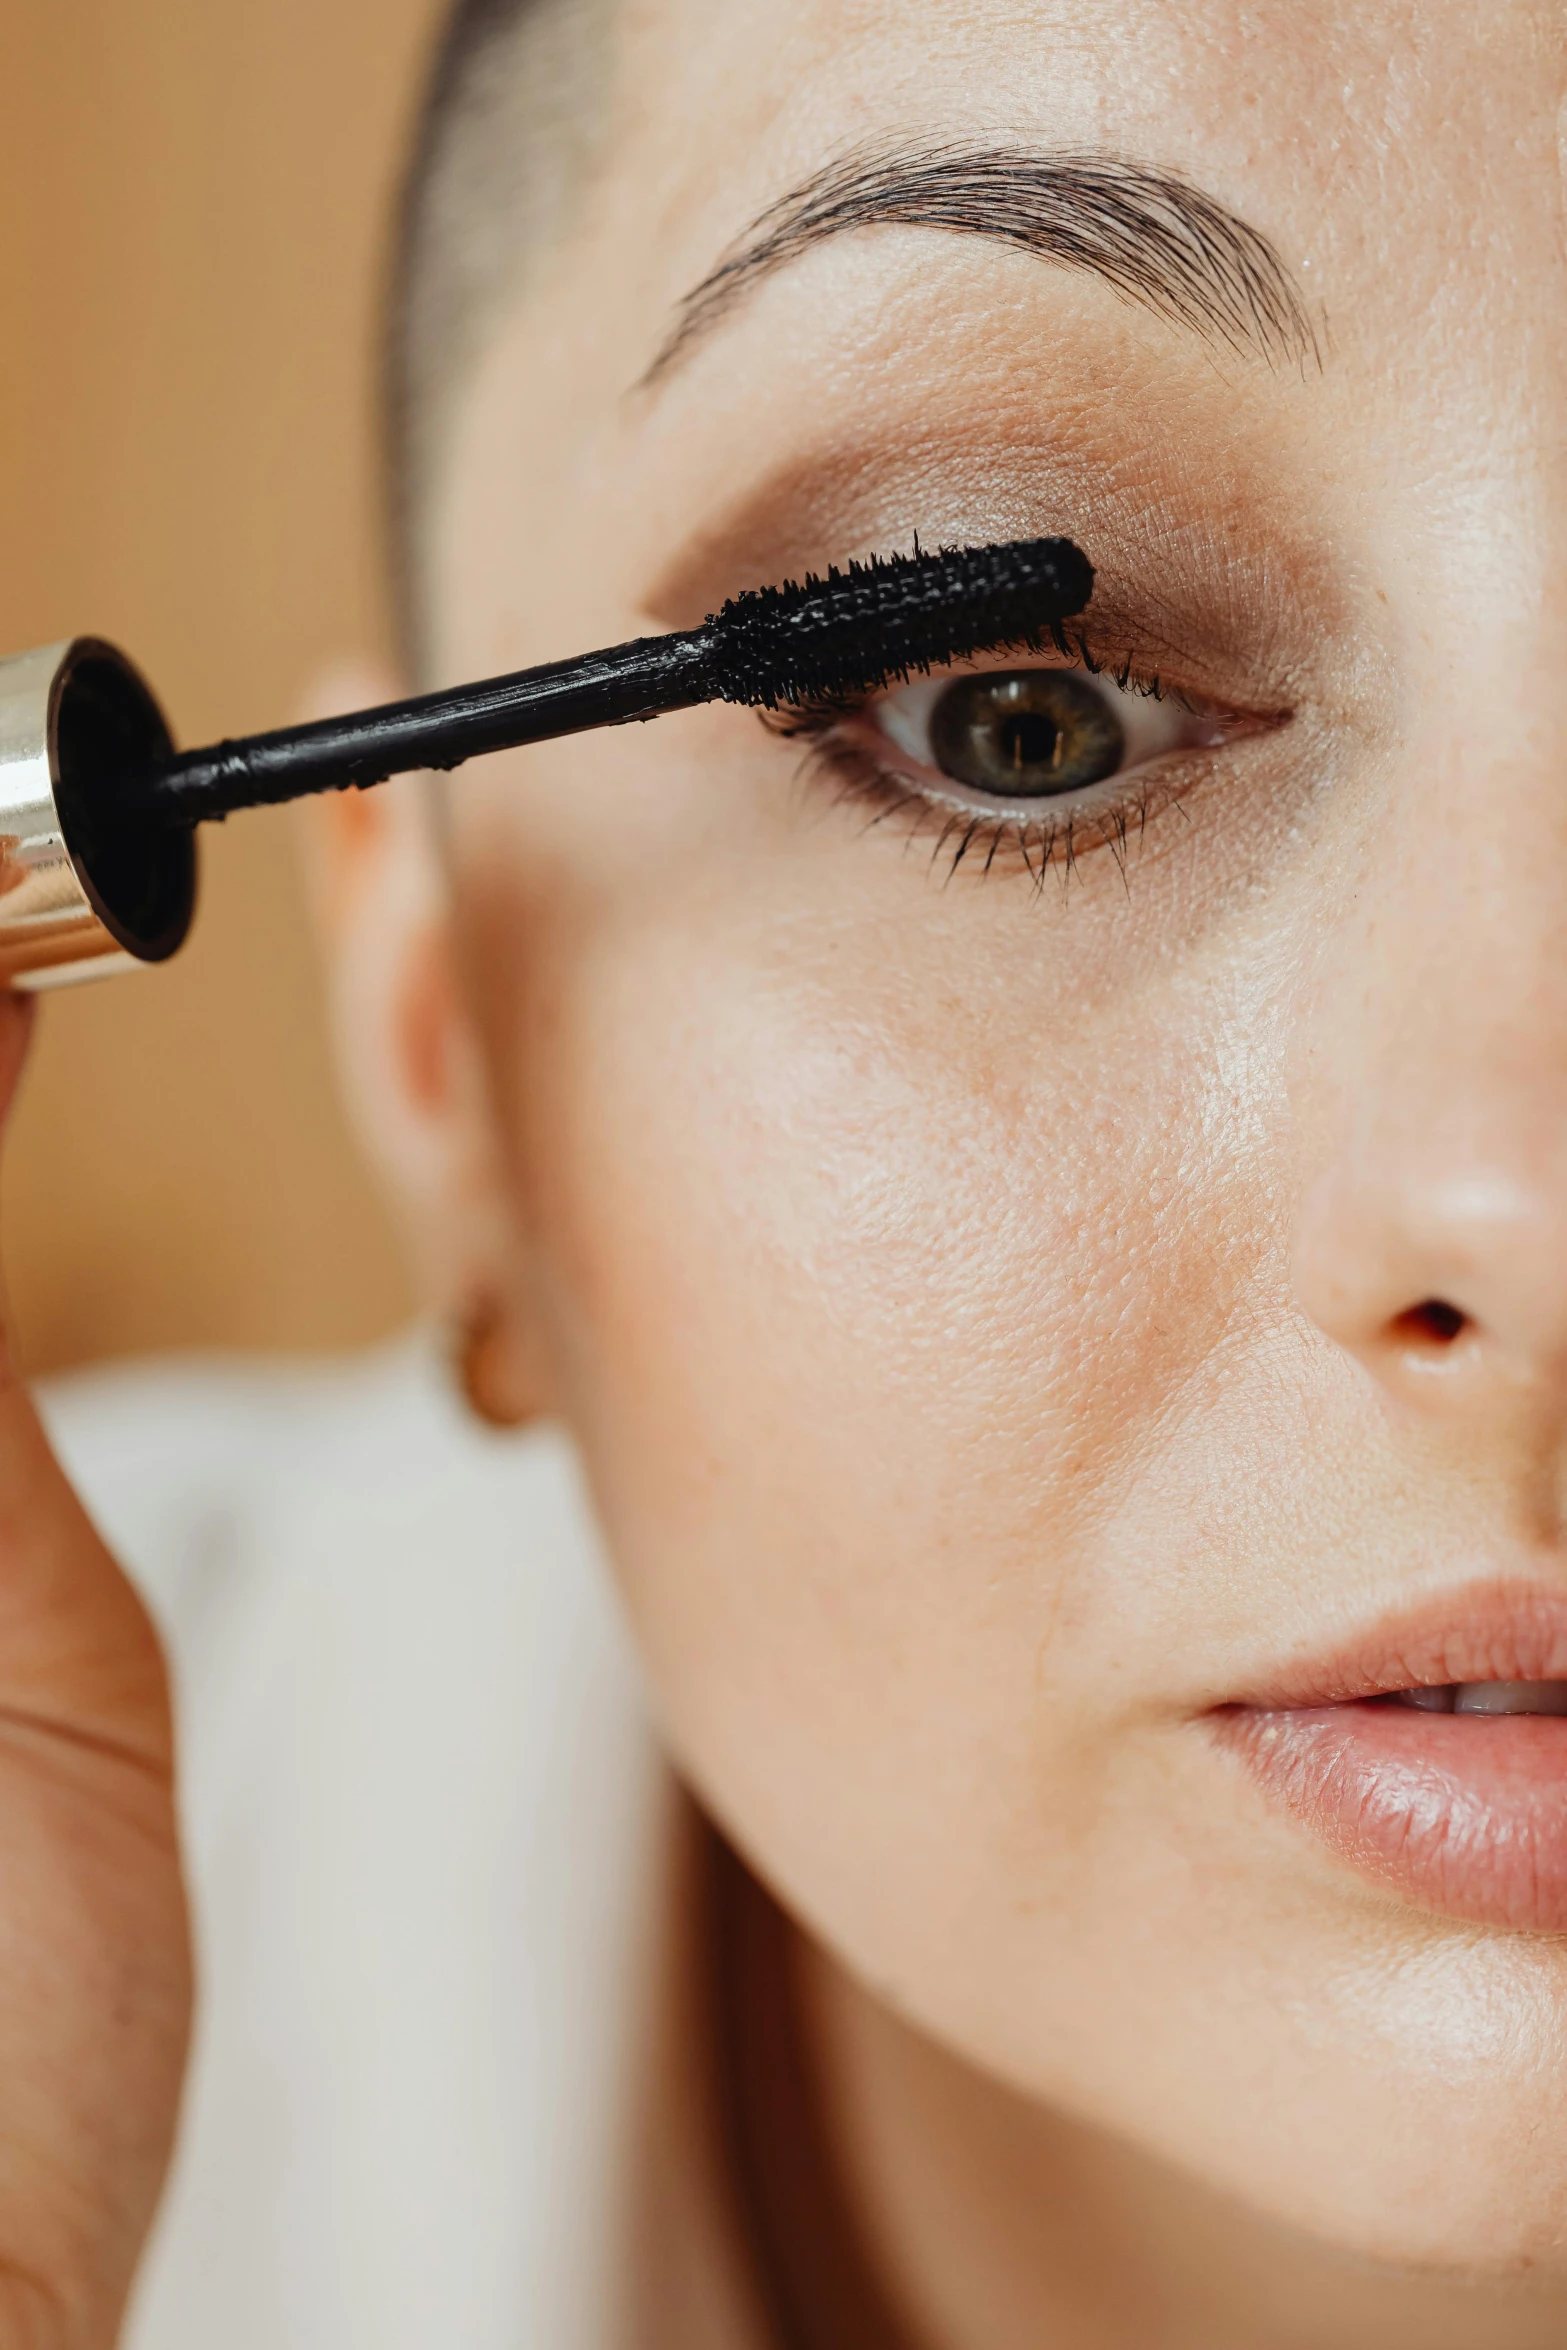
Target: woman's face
{"x":994,"y":1296}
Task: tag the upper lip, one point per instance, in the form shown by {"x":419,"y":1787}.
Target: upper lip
{"x":1485,"y":1632}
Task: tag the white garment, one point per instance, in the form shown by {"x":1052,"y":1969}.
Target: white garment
{"x":418,"y":1795}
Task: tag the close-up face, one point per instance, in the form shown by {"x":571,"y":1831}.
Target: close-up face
{"x":1043,"y":1197}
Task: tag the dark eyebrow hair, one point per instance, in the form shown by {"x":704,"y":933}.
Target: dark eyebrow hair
{"x":1154,"y":237}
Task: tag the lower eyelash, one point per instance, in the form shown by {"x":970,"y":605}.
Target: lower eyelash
{"x":1028,"y":844}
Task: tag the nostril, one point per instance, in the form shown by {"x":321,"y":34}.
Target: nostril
{"x":1432,"y":1323}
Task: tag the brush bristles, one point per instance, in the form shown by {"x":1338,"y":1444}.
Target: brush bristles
{"x":878,"y":623}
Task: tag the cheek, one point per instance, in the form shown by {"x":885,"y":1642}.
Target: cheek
{"x":869,"y":1300}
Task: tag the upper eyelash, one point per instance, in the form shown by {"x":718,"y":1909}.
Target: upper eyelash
{"x":1053,"y":840}
{"x":1129,"y":677}
{"x":1074,"y":646}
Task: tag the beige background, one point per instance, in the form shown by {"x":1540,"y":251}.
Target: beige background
{"x":195,"y":199}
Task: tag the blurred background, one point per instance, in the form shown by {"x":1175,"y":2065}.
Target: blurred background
{"x":197,"y":197}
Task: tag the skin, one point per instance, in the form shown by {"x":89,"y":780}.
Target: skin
{"x":94,"y":1954}
{"x":978,"y":1304}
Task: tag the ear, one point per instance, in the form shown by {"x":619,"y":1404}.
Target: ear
{"x":412,"y":1074}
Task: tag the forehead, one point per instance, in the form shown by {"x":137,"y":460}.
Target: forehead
{"x":1402,"y":161}
{"x":1347,"y":132}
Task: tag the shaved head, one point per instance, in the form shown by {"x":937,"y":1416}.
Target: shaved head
{"x":504,"y":145}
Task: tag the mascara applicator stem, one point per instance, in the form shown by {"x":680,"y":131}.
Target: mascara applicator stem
{"x":617,"y":687}
{"x":851,"y":632}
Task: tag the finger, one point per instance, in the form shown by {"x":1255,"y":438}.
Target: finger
{"x":77,"y":1652}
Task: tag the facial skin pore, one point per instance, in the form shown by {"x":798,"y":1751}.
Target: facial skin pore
{"x":980,"y":1299}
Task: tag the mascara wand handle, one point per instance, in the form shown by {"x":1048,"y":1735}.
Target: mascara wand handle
{"x":642,"y":679}
{"x":98,"y":843}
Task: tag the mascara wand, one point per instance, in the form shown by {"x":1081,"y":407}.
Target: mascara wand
{"x":98,"y":810}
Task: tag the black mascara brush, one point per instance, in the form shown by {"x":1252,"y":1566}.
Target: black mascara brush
{"x":97,"y":809}
{"x":851,"y":632}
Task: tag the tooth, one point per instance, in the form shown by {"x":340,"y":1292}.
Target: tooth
{"x":1430,"y":1701}
{"x":1512,"y":1697}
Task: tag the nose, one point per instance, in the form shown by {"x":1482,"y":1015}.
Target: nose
{"x":1439,"y":1261}
{"x":1432,"y":1240}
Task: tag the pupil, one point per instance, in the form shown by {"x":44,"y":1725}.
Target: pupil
{"x":1026,"y":733}
{"x":1030,"y":741}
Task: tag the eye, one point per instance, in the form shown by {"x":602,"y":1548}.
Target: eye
{"x":1022,"y":736}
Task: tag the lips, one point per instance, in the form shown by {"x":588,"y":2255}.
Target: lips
{"x":1431,"y":1756}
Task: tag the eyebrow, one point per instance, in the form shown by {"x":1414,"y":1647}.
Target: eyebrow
{"x":1154,"y":237}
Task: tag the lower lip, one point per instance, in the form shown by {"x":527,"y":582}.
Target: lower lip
{"x":1465,"y":1813}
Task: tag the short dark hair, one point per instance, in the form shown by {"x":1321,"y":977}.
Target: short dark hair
{"x":500,"y":153}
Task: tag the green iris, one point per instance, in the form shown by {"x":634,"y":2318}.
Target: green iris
{"x":1026,"y":734}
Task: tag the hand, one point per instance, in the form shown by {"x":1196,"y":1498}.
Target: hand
{"x":94,"y":1961}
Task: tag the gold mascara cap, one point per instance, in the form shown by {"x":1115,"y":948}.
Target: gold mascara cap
{"x":79,"y":895}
